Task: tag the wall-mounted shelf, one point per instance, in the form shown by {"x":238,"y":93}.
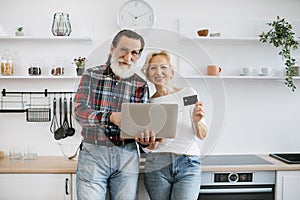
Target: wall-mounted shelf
{"x":186,"y":77}
{"x":223,"y":40}
{"x":40,"y":77}
{"x":241,"y":77}
{"x":226,"y":40}
{"x":233,"y":31}
{"x":47,"y":38}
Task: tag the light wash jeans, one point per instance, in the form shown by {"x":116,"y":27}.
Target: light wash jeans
{"x":114,"y":168}
{"x":169,"y":176}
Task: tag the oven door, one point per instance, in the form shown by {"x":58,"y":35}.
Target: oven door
{"x":238,"y":192}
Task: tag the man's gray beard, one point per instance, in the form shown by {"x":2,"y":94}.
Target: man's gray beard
{"x":123,"y":72}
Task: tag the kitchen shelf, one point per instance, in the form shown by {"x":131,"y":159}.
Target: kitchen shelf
{"x":223,"y":40}
{"x":226,"y":40}
{"x":241,"y":77}
{"x":40,"y":77}
{"x":185,"y":77}
{"x":233,"y":31}
{"x":48,"y":38}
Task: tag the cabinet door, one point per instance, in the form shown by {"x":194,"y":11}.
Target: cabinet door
{"x":35,"y":186}
{"x":287,"y":185}
{"x":141,"y":193}
{"x":74,"y":195}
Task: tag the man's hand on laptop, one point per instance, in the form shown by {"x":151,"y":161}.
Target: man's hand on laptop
{"x":147,"y":139}
{"x":115,"y":118}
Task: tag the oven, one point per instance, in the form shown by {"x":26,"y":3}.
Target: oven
{"x":257,"y":185}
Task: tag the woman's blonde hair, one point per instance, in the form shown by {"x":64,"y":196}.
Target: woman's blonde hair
{"x":153,"y":54}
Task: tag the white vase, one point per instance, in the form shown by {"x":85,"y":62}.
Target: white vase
{"x":19,"y":33}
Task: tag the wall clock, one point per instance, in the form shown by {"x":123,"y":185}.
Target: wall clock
{"x":136,"y":14}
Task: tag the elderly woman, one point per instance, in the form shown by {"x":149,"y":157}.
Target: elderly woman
{"x":173,"y":166}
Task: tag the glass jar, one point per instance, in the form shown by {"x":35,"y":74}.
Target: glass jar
{"x":7,"y":67}
{"x":61,"y":25}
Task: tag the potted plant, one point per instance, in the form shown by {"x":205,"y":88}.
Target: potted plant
{"x":80,"y":65}
{"x":19,"y":31}
{"x":281,"y":35}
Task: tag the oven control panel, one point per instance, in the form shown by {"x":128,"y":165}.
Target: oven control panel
{"x":232,"y":177}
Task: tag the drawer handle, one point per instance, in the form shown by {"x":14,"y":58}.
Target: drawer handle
{"x":67,"y":186}
{"x":242,"y":190}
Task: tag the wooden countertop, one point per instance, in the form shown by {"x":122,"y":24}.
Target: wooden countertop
{"x":61,"y":165}
{"x":41,"y":165}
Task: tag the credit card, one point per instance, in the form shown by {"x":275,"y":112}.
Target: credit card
{"x":190,"y":100}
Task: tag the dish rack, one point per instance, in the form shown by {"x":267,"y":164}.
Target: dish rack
{"x":36,"y":105}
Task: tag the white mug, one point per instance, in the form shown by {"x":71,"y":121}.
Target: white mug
{"x":265,"y":71}
{"x":247,"y":71}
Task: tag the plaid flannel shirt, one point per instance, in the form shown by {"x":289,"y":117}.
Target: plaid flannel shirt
{"x":100,"y":93}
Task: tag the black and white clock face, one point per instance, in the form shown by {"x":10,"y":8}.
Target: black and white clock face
{"x":135,"y":14}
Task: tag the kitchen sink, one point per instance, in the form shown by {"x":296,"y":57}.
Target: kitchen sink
{"x":290,"y":158}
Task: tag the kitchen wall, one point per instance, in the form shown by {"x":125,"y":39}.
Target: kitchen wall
{"x":245,"y":116}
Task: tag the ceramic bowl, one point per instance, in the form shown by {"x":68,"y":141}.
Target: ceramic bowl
{"x":202,"y":32}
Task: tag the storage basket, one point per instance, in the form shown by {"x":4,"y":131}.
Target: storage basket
{"x":38,"y":114}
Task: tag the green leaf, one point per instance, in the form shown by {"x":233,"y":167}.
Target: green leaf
{"x":282,"y":35}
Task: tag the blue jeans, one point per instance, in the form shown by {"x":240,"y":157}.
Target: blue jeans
{"x":114,"y":168}
{"x":169,"y":176}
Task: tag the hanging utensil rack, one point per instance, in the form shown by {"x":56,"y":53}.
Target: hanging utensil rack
{"x":35,"y":110}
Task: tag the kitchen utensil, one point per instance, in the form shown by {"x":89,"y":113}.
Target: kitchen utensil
{"x":71,"y":130}
{"x":66,"y":122}
{"x":60,"y":132}
{"x":54,"y":124}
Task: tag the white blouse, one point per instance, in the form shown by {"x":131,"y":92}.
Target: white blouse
{"x":186,"y":141}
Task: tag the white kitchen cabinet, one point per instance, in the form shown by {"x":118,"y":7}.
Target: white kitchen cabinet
{"x":35,"y":186}
{"x":287,"y":185}
{"x":74,"y":196}
{"x":141,"y":193}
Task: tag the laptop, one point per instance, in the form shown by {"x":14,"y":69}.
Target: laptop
{"x":138,"y":117}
